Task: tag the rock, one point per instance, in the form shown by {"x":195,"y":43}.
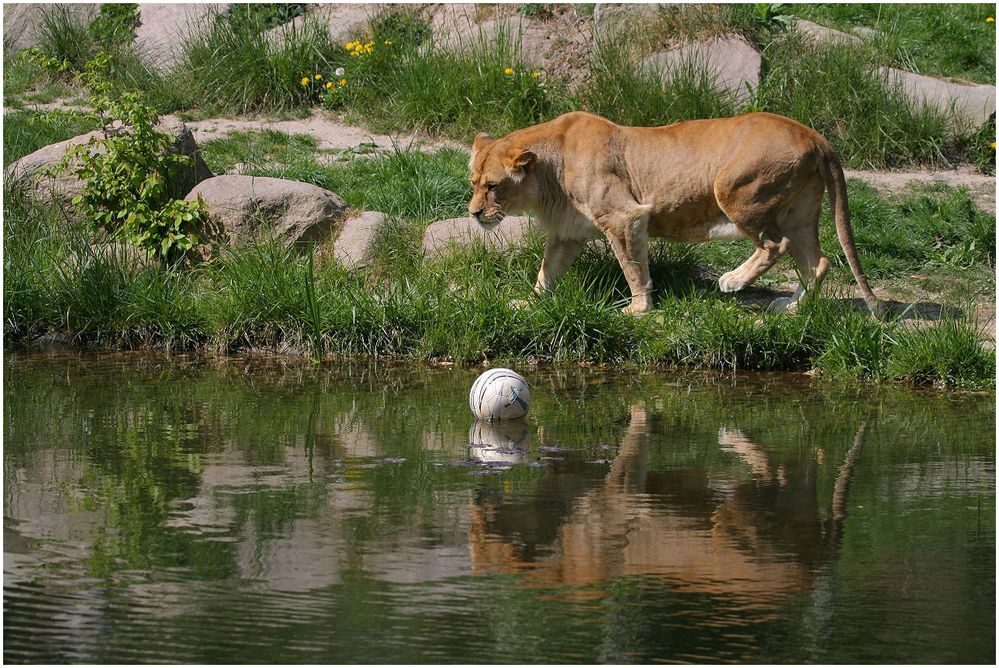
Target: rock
{"x":251,"y":207}
{"x":460,"y":29}
{"x":355,"y":245}
{"x":66,"y":185}
{"x":22,"y":21}
{"x":732,"y":61}
{"x":164,"y":27}
{"x":460,"y":232}
{"x":972,"y":104}
{"x":823,"y":35}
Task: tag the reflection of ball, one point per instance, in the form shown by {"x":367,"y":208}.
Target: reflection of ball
{"x":498,"y":441}
{"x":499,"y":394}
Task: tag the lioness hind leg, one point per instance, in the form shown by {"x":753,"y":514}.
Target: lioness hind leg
{"x":758,"y":263}
{"x":812,"y":267}
{"x":801,"y":226}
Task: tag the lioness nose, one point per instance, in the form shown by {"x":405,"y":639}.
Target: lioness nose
{"x":475,"y":212}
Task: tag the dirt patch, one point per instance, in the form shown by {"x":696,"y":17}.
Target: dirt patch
{"x":981,"y":187}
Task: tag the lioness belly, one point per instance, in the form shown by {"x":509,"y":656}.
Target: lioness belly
{"x":714,"y":228}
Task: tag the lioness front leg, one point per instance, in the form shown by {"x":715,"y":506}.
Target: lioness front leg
{"x":628,"y":234}
{"x":559,"y":255}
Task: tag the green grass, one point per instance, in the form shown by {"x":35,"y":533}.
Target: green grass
{"x":946,"y":40}
{"x":27,"y":131}
{"x":233,"y":68}
{"x":635,"y":95}
{"x":870,"y":123}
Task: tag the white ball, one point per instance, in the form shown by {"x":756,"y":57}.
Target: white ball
{"x":499,"y":394}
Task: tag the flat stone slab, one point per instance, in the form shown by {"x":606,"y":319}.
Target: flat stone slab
{"x":971,"y":104}
{"x":731,"y":60}
{"x":249,"y":207}
{"x":823,"y":35}
{"x":457,"y":233}
{"x":355,"y":245}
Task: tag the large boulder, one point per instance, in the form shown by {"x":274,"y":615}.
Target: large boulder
{"x":253,"y":207}
{"x":31,"y":169}
{"x":456,"y":233}
{"x":730,"y":60}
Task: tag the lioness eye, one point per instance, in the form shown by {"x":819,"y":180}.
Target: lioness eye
{"x":491,"y":186}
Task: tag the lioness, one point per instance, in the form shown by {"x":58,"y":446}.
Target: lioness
{"x":758,"y":176}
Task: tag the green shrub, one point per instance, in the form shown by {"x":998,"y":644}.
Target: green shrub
{"x":114,"y":26}
{"x":126,"y":172}
{"x":261,"y":16}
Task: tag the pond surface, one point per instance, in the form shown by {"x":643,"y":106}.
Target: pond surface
{"x":170,"y":510}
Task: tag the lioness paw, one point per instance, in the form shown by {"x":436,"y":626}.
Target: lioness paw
{"x":730,"y":282}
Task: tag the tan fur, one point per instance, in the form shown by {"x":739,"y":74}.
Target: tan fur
{"x":756,"y":176}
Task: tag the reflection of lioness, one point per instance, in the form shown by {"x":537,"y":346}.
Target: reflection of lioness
{"x":758,"y":175}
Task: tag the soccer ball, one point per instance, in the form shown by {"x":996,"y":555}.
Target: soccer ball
{"x":499,"y":394}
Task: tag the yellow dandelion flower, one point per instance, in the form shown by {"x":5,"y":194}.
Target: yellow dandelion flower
{"x":535,"y":74}
{"x":304,"y":81}
{"x":508,"y":71}
{"x":993,"y":146}
{"x":387,"y":42}
{"x":329,"y":84}
{"x":991,"y":19}
{"x":343,"y":82}
{"x":318,"y":77}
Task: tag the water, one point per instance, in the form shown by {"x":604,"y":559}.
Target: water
{"x":170,"y":510}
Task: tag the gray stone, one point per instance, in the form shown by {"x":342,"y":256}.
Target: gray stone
{"x":972,"y":104}
{"x":251,"y":207}
{"x":731,"y":60}
{"x":65,"y":185}
{"x":824,"y":35}
{"x":443,"y":235}
{"x":355,"y":245}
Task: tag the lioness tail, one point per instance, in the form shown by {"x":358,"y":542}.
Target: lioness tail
{"x":832,"y":172}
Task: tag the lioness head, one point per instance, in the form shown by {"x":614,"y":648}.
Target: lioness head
{"x":499,"y":171}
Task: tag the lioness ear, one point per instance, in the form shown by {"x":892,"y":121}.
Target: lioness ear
{"x":517,"y":162}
